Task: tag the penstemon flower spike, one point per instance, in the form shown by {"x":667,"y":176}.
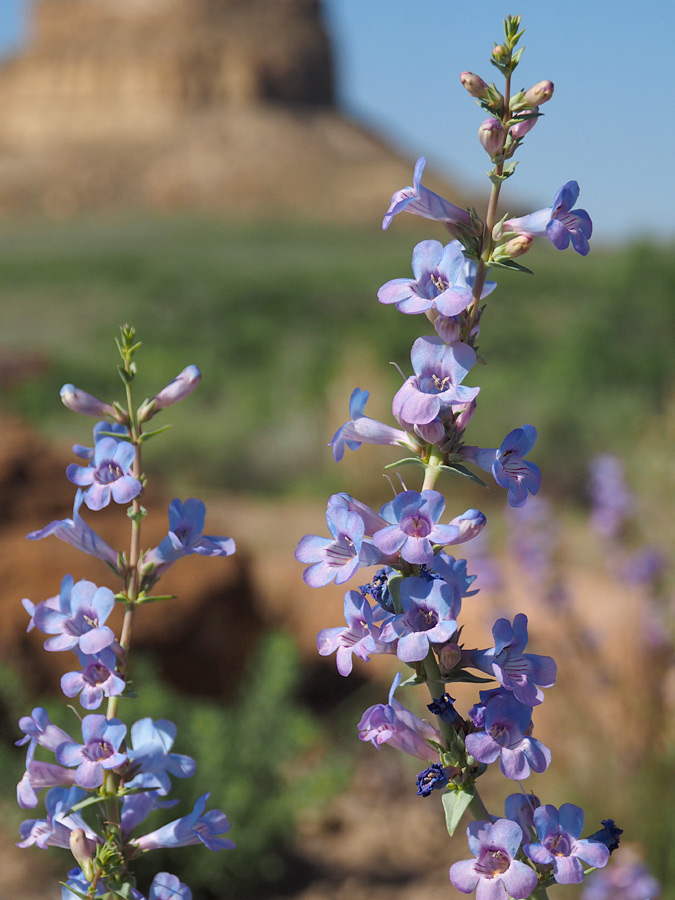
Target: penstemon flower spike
{"x":412,"y":605}
{"x":103,"y":785}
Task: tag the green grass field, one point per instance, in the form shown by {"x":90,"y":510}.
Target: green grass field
{"x":283,"y":321}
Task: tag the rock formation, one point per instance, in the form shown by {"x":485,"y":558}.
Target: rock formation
{"x":220,"y":105}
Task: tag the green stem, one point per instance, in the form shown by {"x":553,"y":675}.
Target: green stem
{"x":478,"y":809}
{"x":432,"y":469}
{"x":539,"y":893}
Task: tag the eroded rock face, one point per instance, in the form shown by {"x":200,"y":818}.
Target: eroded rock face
{"x":225,"y":106}
{"x":200,"y":640}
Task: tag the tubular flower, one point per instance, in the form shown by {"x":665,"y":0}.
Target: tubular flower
{"x":443,"y":281}
{"x":108,"y":475}
{"x":559,"y":222}
{"x":362,"y":430}
{"x":360,"y":636}
{"x":440,"y":369}
{"x":79,"y":620}
{"x":559,"y":844}
{"x":429,"y":616}
{"x":422,"y":202}
{"x":414,"y":527}
{"x":509,"y":468}
{"x":395,"y":725}
{"x":102,"y":738}
{"x":186,"y":522}
{"x":197,"y":827}
{"x":495,"y":873}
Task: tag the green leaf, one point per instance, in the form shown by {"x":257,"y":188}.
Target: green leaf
{"x":511,"y":264}
{"x":413,"y":680}
{"x":90,"y":801}
{"x":455,"y":804}
{"x":127,"y":377}
{"x":115,"y":434}
{"x":408,"y":460}
{"x":74,"y":890}
{"x":463,"y":675}
{"x":466,"y":473}
{"x":148,"y":434}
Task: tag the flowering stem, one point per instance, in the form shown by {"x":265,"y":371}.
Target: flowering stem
{"x":490,"y":220}
{"x":432,"y":469}
{"x":479,"y":811}
{"x":539,"y":893}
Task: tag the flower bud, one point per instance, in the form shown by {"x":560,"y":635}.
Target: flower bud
{"x":539,"y":93}
{"x":500,"y":54}
{"x":181,"y":386}
{"x":518,"y":245}
{"x":449,"y":657}
{"x":491,"y":136}
{"x":447,"y":328}
{"x":474,"y":85}
{"x":84,"y":403}
{"x":519,"y":130}
{"x":464,"y":413}
{"x":81,"y":849}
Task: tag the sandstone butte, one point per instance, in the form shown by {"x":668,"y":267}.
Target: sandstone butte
{"x":223,"y":106}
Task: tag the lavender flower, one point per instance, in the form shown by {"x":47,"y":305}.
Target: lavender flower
{"x":81,"y":402}
{"x":197,"y":827}
{"x":559,"y":222}
{"x":149,"y":753}
{"x":508,"y":466}
{"x":96,"y":681}
{"x":362,"y":430}
{"x":414,"y":529}
{"x":78,"y":534}
{"x":186,"y":523}
{"x":443,"y":281}
{"x":178,"y":389}
{"x":439,"y":370}
{"x":624,"y":879}
{"x":515,"y":671}
{"x":360,"y":636}
{"x":336,"y":558}
{"x":108,"y":476}
{"x":430,"y":610}
{"x":395,"y":725}
{"x":55,"y":830}
{"x":422,"y":202}
{"x":507,"y":723}
{"x":102,"y":738}
{"x":79,"y":620}
{"x":495,"y":873}
{"x":559,"y":844}
{"x":40,"y":775}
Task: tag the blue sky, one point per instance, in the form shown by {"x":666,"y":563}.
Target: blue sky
{"x":608,"y":126}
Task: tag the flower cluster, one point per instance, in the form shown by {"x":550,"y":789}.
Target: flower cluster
{"x":411,"y":607}
{"x":104,"y":780}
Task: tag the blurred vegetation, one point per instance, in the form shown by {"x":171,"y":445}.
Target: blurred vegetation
{"x":283,"y":321}
{"x":263,"y":758}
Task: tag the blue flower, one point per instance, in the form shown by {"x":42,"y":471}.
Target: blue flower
{"x":509,"y":469}
{"x":197,"y":827}
{"x":423,"y":202}
{"x":495,"y":874}
{"x":559,"y":222}
{"x":559,"y":845}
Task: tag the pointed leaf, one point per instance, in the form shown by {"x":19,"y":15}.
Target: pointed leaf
{"x":455,"y":804}
{"x":404,"y":462}
{"x":466,"y":473}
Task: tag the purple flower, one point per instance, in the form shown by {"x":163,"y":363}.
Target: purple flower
{"x":624,"y":879}
{"x":434,"y":778}
{"x":102,"y":738}
{"x":180,"y":387}
{"x":186,"y":522}
{"x":520,"y":808}
{"x":40,"y":775}
{"x":360,"y":636}
{"x":363,"y":430}
{"x":54,"y":831}
{"x":495,"y":874}
{"x":82,"y":402}
{"x":414,"y":527}
{"x":430,"y":610}
{"x":506,"y":724}
{"x":439,"y":370}
{"x":470,"y":524}
{"x":79,"y":620}
{"x":509,"y":469}
{"x":559,"y":222}
{"x":422,"y":202}
{"x":443,"y":281}
{"x":453,"y":572}
{"x":516,"y":671}
{"x":559,"y":845}
{"x":151,"y":743}
{"x":108,"y":476}
{"x":168,"y":887}
{"x":78,"y":882}
{"x":78,"y":534}
{"x":611,"y":500}
{"x":197,"y":827}
{"x":372,"y":521}
{"x":340,"y":556}
{"x":39,"y":730}
{"x":395,"y":725}
{"x":93,"y":683}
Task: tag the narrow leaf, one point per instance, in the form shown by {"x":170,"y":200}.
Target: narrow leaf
{"x":466,"y":473}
